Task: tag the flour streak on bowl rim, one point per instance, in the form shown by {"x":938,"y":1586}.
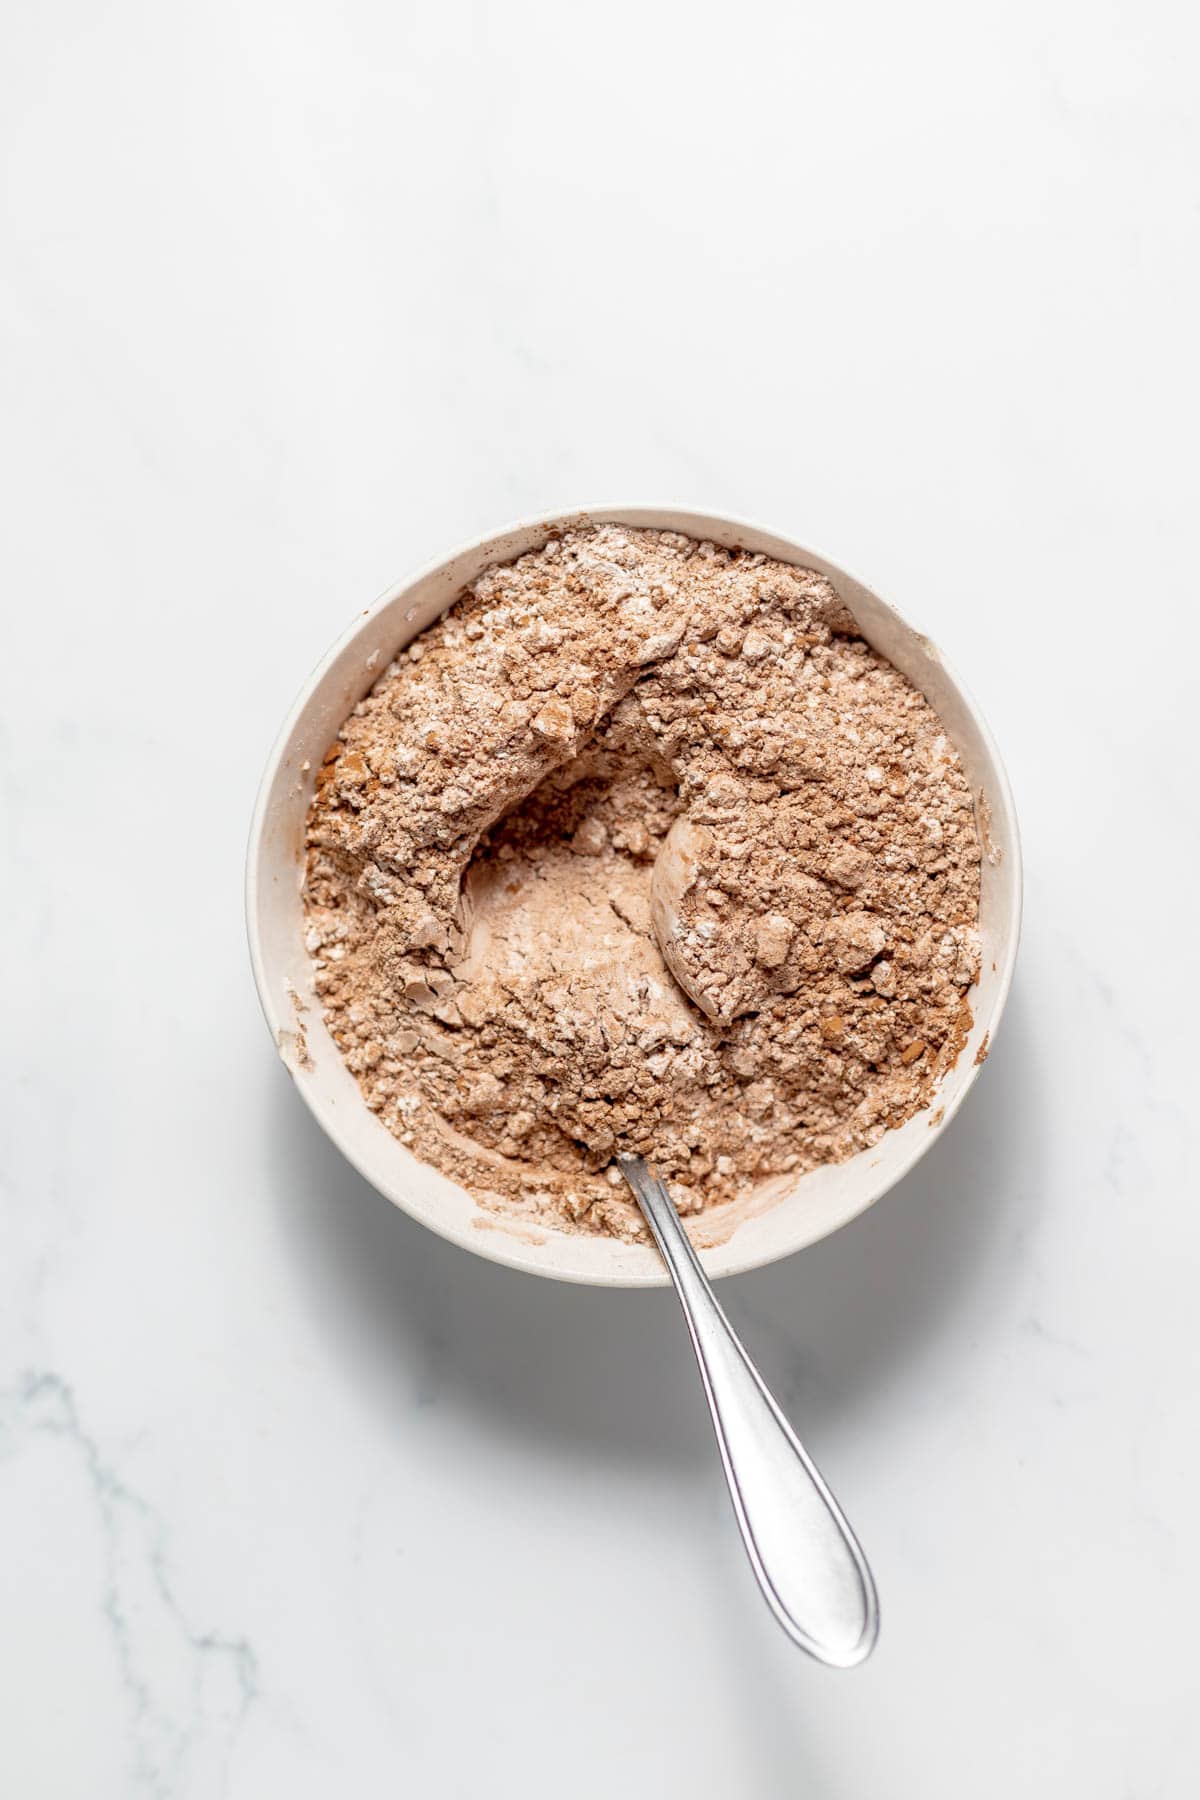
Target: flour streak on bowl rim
{"x":814,"y":1204}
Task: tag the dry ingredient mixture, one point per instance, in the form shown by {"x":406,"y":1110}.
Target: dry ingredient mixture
{"x":641,"y":847}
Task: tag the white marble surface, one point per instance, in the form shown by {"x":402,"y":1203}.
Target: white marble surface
{"x":293,"y":1498}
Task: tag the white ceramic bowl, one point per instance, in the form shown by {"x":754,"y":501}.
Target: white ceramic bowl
{"x":739,"y":1237}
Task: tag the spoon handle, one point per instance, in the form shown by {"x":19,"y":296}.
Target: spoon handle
{"x":806,"y":1558}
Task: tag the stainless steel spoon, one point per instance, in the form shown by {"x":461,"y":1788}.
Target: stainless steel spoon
{"x":806,"y":1558}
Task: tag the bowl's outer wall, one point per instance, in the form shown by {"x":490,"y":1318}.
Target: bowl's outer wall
{"x":817,"y":1203}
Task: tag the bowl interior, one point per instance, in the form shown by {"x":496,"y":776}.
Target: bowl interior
{"x":793,"y":1212}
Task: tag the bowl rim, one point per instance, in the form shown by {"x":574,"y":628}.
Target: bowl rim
{"x":496,"y":1246}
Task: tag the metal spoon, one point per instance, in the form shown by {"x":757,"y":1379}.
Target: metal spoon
{"x":806,"y":1558}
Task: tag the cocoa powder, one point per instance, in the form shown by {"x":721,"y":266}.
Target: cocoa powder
{"x":641,"y":847}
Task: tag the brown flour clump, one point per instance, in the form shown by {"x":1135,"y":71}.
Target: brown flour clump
{"x":642,"y":848}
